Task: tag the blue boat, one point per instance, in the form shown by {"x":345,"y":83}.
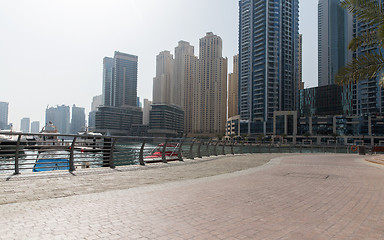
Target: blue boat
{"x":51,"y":160}
{"x":43,"y":165}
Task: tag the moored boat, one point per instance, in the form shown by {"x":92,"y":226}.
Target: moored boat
{"x":171,"y":153}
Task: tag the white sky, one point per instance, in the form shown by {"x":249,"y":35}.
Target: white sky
{"x":51,"y":51}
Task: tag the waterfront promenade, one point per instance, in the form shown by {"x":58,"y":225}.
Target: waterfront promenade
{"x":261,"y":196}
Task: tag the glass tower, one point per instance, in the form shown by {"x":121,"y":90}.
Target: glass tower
{"x":268,"y":60}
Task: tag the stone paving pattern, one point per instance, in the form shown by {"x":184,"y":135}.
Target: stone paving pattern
{"x":291,"y":197}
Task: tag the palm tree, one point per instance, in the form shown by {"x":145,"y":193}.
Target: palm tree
{"x":371,"y":64}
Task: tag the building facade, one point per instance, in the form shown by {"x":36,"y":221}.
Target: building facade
{"x":78,"y":123}
{"x":146,"y":108}
{"x":163,"y":83}
{"x":210,"y":104}
{"x":334,"y":34}
{"x":117,"y":120}
{"x":300,"y":63}
{"x":59,"y":116}
{"x":268,"y":60}
{"x":3,"y":115}
{"x":25,"y":124}
{"x":366,"y":97}
{"x":233,"y":89}
{"x":166,"y":120}
{"x":186,"y":74}
{"x":108,"y":82}
{"x":35,"y":127}
{"x":125,"y":79}
{"x":119,"y":112}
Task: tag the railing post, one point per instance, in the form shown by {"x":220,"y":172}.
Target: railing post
{"x":141,"y":155}
{"x":215,"y":149}
{"x":71,"y":157}
{"x":17,"y":171}
{"x":191,"y":150}
{"x":198,"y":150}
{"x":111,"y":160}
{"x":207,"y":149}
{"x":180,"y":152}
{"x":163,"y":158}
{"x":224,"y":147}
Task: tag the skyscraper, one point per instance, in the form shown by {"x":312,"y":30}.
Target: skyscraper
{"x":59,"y":116}
{"x":210,"y":104}
{"x":268,"y":58}
{"x":334,"y":34}
{"x":163,"y":85}
{"x":78,"y":119}
{"x":233,"y":88}
{"x":366,"y":97}
{"x":35,"y":127}
{"x":24,"y":125}
{"x":3,"y":115}
{"x":108,"y":81}
{"x":120,"y":109}
{"x":185,"y":76}
{"x":125,"y":80}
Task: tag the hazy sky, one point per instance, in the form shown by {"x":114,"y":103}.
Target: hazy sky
{"x":51,"y":51}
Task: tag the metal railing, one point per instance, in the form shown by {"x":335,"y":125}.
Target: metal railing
{"x":46,"y":152}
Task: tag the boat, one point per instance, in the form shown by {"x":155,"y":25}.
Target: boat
{"x":51,"y":160}
{"x":89,"y":142}
{"x":171,"y":153}
{"x":8,"y":142}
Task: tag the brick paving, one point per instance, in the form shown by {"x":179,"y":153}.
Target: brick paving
{"x":290,"y":197}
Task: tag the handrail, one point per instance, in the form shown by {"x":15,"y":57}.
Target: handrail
{"x":70,"y":152}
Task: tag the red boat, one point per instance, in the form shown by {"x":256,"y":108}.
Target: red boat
{"x":171,"y":153}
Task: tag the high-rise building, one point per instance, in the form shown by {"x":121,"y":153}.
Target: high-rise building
{"x":35,"y":127}
{"x":24,"y":125}
{"x":58,"y":116}
{"x":334,"y":34}
{"x":233,"y":89}
{"x":146,"y":108}
{"x":120,"y":109}
{"x":78,"y":119}
{"x":185,"y":76}
{"x":163,"y":85}
{"x":268,"y":59}
{"x":108,"y":81}
{"x":96,"y":101}
{"x":125,"y":80}
{"x":300,"y":63}
{"x":3,"y":115}
{"x":365,"y":97}
{"x":210,"y":103}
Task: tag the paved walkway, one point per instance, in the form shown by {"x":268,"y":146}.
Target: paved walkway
{"x":294,"y":197}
